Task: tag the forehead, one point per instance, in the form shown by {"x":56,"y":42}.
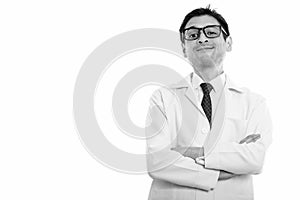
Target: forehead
{"x":201,"y":21}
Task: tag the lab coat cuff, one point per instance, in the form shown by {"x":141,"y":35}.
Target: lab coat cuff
{"x":212,"y":178}
{"x":212,"y":160}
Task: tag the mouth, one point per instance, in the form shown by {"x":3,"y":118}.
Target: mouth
{"x":204,"y":48}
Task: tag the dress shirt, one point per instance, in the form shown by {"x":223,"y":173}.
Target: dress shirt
{"x":218,"y":86}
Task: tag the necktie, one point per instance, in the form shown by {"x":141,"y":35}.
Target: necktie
{"x":206,"y":101}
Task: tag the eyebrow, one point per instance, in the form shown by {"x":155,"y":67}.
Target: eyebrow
{"x":203,"y":26}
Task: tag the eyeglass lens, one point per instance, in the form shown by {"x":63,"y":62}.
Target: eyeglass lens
{"x":209,"y":32}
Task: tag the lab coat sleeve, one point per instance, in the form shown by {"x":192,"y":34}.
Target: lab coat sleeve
{"x":244,"y":158}
{"x":166,"y":164}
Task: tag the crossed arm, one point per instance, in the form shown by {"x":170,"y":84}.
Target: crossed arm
{"x":198,"y":152}
{"x":167,"y":164}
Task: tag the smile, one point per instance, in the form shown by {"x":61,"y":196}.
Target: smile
{"x":205,"y":48}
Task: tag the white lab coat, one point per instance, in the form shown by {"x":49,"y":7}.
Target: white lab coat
{"x":176,"y":119}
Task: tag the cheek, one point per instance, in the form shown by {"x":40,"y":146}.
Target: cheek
{"x":220,"y":50}
{"x":188,"y":47}
{"x":189,"y":52}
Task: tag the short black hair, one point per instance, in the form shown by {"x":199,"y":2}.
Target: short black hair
{"x":205,"y":11}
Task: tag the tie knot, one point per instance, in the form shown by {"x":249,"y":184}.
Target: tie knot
{"x":206,"y":87}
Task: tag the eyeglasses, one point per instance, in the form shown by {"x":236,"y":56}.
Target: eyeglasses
{"x":211,"y":31}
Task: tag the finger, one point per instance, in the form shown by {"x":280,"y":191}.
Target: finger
{"x":242,"y":141}
{"x":257,"y":138}
{"x":176,"y":149}
{"x":249,"y":138}
{"x":253,"y":139}
{"x":200,"y":161}
{"x":246,"y":139}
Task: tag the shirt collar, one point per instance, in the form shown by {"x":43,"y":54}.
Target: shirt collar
{"x":217,"y":83}
{"x":190,"y":82}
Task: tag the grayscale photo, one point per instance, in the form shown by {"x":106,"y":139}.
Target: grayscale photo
{"x":149,"y":100}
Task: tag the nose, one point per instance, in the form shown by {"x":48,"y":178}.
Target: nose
{"x":202,"y":38}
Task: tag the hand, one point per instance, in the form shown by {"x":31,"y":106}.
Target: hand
{"x":224,"y":175}
{"x":180,"y":150}
{"x":191,"y":152}
{"x":250,"y":138}
{"x":200,"y":161}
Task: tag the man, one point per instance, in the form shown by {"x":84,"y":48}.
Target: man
{"x":207,"y":136}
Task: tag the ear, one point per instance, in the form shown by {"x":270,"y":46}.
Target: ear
{"x":183,"y":49}
{"x":228,"y":43}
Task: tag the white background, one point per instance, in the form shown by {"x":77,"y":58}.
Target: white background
{"x":42,"y":47}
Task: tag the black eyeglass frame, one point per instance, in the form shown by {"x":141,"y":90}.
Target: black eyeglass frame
{"x":199,"y":29}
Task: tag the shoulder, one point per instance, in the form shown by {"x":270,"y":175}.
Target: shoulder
{"x":243,"y":92}
{"x":174,"y":88}
{"x":169,"y":93}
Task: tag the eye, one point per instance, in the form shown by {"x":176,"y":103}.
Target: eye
{"x":192,"y":35}
{"x":211,"y":33}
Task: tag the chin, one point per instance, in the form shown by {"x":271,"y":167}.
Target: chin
{"x":202,"y":61}
{"x":207,"y":61}
{"x":208,"y":65}
{"x":204,"y":65}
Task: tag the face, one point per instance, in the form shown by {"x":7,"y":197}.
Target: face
{"x":206,"y":52}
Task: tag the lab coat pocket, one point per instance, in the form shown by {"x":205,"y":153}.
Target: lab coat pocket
{"x":234,"y":129}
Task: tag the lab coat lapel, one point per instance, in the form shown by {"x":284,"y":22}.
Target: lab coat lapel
{"x":193,"y":99}
{"x":190,"y":112}
{"x":189,"y":93}
{"x":217,"y":123}
{"x":190,"y":118}
{"x":220,"y":115}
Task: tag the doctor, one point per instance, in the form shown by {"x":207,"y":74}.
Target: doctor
{"x":207,"y":136}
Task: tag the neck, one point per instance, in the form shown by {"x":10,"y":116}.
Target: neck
{"x":208,"y":74}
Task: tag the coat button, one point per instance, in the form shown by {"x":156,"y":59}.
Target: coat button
{"x":205,"y":131}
